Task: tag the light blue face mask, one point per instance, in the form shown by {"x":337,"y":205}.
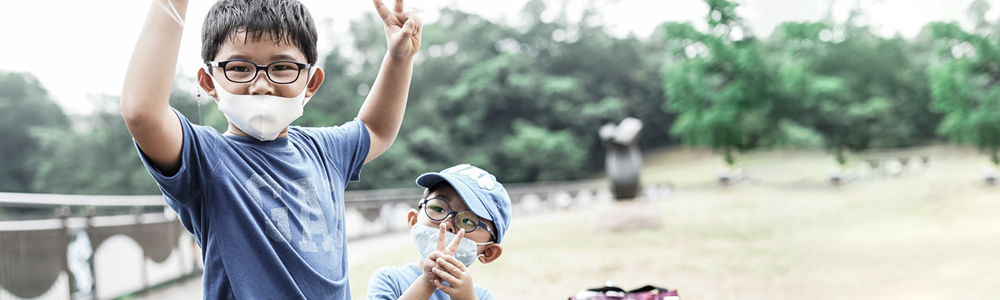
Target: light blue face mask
{"x":425,"y":239}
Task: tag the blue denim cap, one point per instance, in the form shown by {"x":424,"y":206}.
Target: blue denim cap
{"x":480,"y":190}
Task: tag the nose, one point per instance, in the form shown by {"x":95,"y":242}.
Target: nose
{"x":449,"y":224}
{"x":261,"y":85}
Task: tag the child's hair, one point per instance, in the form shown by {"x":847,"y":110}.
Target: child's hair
{"x":283,"y":20}
{"x":436,"y":187}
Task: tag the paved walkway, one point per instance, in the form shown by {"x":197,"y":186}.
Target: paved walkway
{"x":359,"y":251}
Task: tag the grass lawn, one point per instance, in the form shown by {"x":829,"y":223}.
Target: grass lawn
{"x":931,"y":233}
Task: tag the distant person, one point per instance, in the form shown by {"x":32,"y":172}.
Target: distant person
{"x":470,"y":208}
{"x":264,"y":200}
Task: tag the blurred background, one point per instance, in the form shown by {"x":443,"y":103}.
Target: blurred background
{"x":834,"y":100}
{"x":522,"y":89}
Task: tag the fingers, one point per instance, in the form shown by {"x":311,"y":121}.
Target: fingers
{"x":407,"y":29}
{"x":399,"y":6}
{"x":444,"y":288}
{"x":441,"y":236}
{"x":382,"y":10}
{"x":413,"y":23}
{"x":450,"y":270}
{"x":458,"y":239}
{"x":446,"y":276}
{"x":451,"y":264}
{"x":412,"y":15}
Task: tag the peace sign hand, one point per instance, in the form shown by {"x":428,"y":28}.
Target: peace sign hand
{"x":402,"y":29}
{"x":441,"y":251}
{"x":450,"y":269}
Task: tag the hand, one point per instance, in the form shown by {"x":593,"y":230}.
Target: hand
{"x":402,"y":29}
{"x":441,"y":251}
{"x":450,"y":270}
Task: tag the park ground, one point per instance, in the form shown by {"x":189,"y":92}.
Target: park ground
{"x":930,"y":232}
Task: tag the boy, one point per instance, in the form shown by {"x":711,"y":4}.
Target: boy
{"x":263,"y":200}
{"x":471,"y":208}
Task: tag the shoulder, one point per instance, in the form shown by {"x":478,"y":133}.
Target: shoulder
{"x":353,"y":126}
{"x":400,"y":272}
{"x":389,"y":282}
{"x":202,"y":133}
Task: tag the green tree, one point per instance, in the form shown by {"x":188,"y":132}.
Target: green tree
{"x":720,"y":85}
{"x":476,"y":80}
{"x":98,"y":158}
{"x":541,"y":155}
{"x":856,"y":89}
{"x":26,"y":111}
{"x":964,"y":85}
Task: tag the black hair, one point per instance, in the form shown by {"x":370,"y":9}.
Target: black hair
{"x":283,"y":20}
{"x":438,"y":186}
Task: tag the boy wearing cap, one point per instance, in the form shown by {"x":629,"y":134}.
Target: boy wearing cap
{"x":464,"y":207}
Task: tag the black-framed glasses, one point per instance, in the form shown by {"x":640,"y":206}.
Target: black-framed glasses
{"x":242,"y":71}
{"x":437,"y":209}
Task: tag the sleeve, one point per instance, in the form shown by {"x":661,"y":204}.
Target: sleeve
{"x":347,"y":147}
{"x":182,"y":188}
{"x":483,"y":293}
{"x":382,"y":286}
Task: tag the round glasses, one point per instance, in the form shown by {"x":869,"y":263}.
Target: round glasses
{"x":242,"y":71}
{"x":437,"y":209}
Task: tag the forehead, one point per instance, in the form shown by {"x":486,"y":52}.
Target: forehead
{"x":259,"y":47}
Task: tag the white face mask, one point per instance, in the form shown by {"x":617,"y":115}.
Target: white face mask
{"x":425,"y":239}
{"x":261,"y":116}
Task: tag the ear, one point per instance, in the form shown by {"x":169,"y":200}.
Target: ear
{"x":315,"y":82}
{"x":411,"y":218}
{"x":205,"y":82}
{"x":491,"y":253}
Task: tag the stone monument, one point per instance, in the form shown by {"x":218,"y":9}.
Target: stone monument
{"x":623,"y":160}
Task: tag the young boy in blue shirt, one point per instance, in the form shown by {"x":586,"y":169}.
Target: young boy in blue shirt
{"x":264,"y":200}
{"x":464,"y":207}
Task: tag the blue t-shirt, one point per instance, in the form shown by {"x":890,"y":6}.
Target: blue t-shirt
{"x":269,"y":216}
{"x":388,"y":283}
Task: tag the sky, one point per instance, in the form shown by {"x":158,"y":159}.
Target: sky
{"x":79,"y":50}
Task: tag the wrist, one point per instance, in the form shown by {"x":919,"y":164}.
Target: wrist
{"x":393,"y":58}
{"x":426,"y":281}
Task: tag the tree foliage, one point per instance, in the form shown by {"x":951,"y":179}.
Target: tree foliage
{"x":26,"y":112}
{"x":526,"y":100}
{"x":719,"y":83}
{"x":855,"y":89}
{"x":964,"y":81}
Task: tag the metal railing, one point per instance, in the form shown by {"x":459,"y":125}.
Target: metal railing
{"x":62,"y":257}
{"x":144,"y":245}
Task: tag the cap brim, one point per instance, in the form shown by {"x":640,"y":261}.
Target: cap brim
{"x":471,"y":198}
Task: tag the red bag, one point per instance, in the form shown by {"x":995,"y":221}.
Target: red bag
{"x":648,"y":292}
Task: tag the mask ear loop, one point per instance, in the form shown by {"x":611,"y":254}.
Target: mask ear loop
{"x":198,"y":101}
{"x":172,"y":12}
{"x":198,"y":90}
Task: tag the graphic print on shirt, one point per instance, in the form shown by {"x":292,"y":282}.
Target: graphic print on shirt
{"x":315,"y":231}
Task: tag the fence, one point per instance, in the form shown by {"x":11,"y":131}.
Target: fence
{"x":81,"y":254}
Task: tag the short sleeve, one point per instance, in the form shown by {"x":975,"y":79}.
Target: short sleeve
{"x":346,"y":146}
{"x":381,"y":286}
{"x":483,"y":293}
{"x":182,"y":188}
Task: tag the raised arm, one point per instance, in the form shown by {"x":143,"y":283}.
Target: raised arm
{"x":148,"y":81}
{"x":383,"y":110}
